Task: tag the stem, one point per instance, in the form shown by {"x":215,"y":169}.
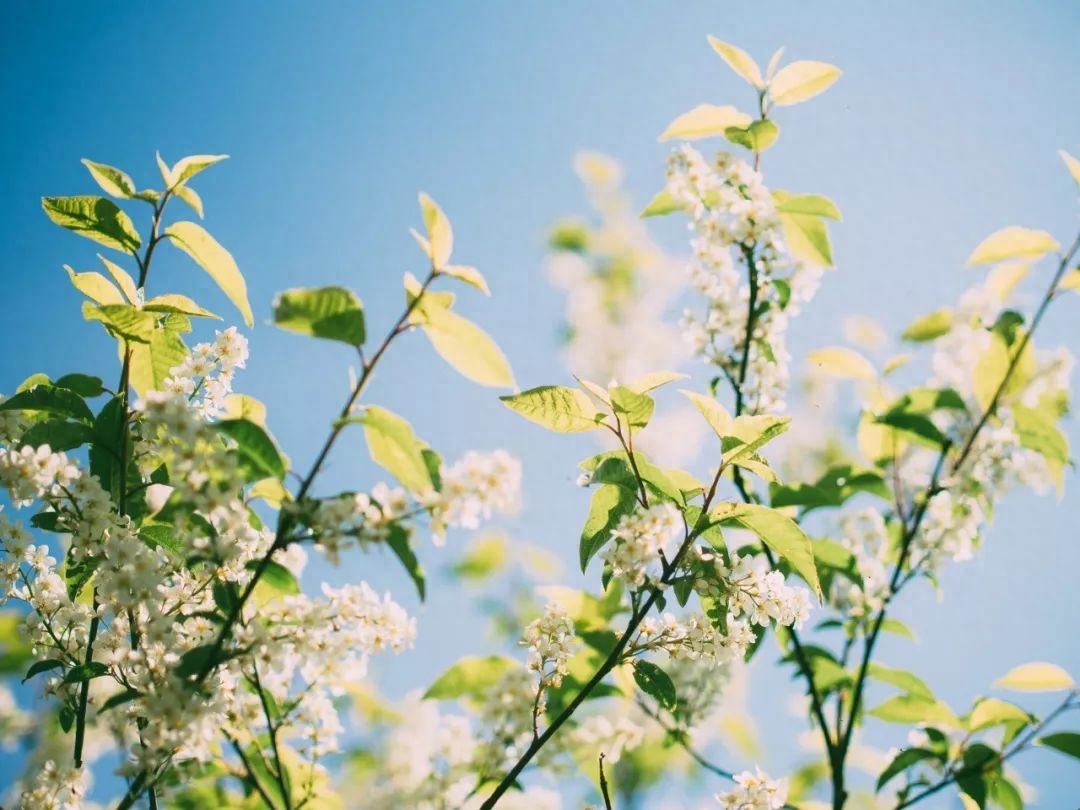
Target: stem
{"x":604,"y":786}
{"x":898,"y":579}
{"x":283,"y":783}
{"x":679,"y":737}
{"x":613,"y":658}
{"x":251,"y":773}
{"x":281,"y":538}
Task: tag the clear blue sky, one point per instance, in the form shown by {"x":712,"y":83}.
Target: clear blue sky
{"x":943,"y":129}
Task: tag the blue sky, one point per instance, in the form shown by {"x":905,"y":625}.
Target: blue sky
{"x":943,"y":128}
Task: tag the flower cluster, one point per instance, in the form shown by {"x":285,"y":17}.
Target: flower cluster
{"x":754,"y":791}
{"x":730,"y":210}
{"x":753,"y":588}
{"x":618,"y":284}
{"x":863,"y":532}
{"x":476,"y":487}
{"x":638,"y":541}
{"x":551,"y":641}
{"x":695,"y":639}
{"x":206,"y":375}
{"x":55,"y":788}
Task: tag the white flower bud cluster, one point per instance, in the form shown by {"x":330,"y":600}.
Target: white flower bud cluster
{"x":476,"y":487}
{"x":639,"y":539}
{"x":551,"y":641}
{"x":730,"y":208}
{"x":357,"y":518}
{"x":598,"y":733}
{"x":754,"y":791}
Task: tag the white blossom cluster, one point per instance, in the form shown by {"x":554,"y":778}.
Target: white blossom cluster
{"x":618,"y":283}
{"x":206,"y":375}
{"x":754,"y":791}
{"x":551,"y":641}
{"x":863,"y":532}
{"x":734,"y":220}
{"x":638,"y":541}
{"x":597,"y":732}
{"x":476,"y":487}
{"x":694,"y":639}
{"x":155,"y":597}
{"x":753,"y":588}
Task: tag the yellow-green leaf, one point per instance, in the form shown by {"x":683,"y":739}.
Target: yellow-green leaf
{"x":1012,"y":243}
{"x":801,"y":80}
{"x":738,"y":60}
{"x":757,"y":137}
{"x":715,"y":414}
{"x":842,"y":362}
{"x":215,"y":260}
{"x":95,"y":218}
{"x":467,"y":348}
{"x":704,"y":121}
{"x":930,"y":327}
{"x":1038,"y":676}
{"x":1072,"y":163}
{"x":663,"y":203}
{"x":1071,"y":281}
{"x":112,"y":181}
{"x":173,"y":302}
{"x":991,"y":712}
{"x":191,"y":197}
{"x":778,"y":532}
{"x":813,"y":204}
{"x":470,"y":275}
{"x":913,"y":708}
{"x":653,"y":380}
{"x":440,"y":236}
{"x":95,"y":287}
{"x":123,"y":280}
{"x":808,"y":238}
{"x":564,"y":410}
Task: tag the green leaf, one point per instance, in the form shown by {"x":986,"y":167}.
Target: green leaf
{"x":395,"y":447}
{"x":808,"y":238}
{"x":778,"y":532}
{"x":609,"y":504}
{"x":50,"y":399}
{"x":749,"y":432}
{"x":704,"y":121}
{"x":930,"y":327}
{"x":259,"y":457}
{"x":902,"y":679}
{"x":1039,"y":433}
{"x":1011,"y":243}
{"x":839,"y":361}
{"x":113,"y":182}
{"x":122,"y":321}
{"x":801,"y":80}
{"x":104,"y":453}
{"x":60,"y":434}
{"x":915,"y":709}
{"x":661,"y":204}
{"x":95,"y":287}
{"x":440,"y":236}
{"x":757,"y":137}
{"x":1067,"y":742}
{"x":715,"y":414}
{"x":398,"y":541}
{"x":898,"y":628}
{"x":119,"y":699}
{"x":85,"y":385}
{"x":915,"y":426}
{"x":1037,"y":676}
{"x":181,"y":304}
{"x":467,"y":348}
{"x":992,"y":712}
{"x":151,"y":362}
{"x":215,"y":260}
{"x":563,"y":410}
{"x":812,"y":204}
{"x":636,"y":409}
{"x":739,"y":61}
{"x":901,"y":762}
{"x":470,"y":677}
{"x":95,"y":218}
{"x":42,"y":666}
{"x":85,"y":672}
{"x":332,"y":313}
{"x":655,"y":683}
{"x":279,"y":578}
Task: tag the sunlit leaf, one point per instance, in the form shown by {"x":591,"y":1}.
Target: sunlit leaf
{"x":1037,"y":676}
{"x":778,"y":532}
{"x":564,"y":410}
{"x":331,"y":313}
{"x":704,"y":121}
{"x":839,"y":361}
{"x":470,"y":677}
{"x":113,"y":182}
{"x":467,"y":347}
{"x":95,"y":287}
{"x":739,"y":61}
{"x":1012,"y":243}
{"x":813,"y":204}
{"x":95,"y":218}
{"x":470,"y":275}
{"x":215,"y":260}
{"x":440,"y":236}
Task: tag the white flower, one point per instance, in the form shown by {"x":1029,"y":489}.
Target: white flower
{"x":754,"y":791}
